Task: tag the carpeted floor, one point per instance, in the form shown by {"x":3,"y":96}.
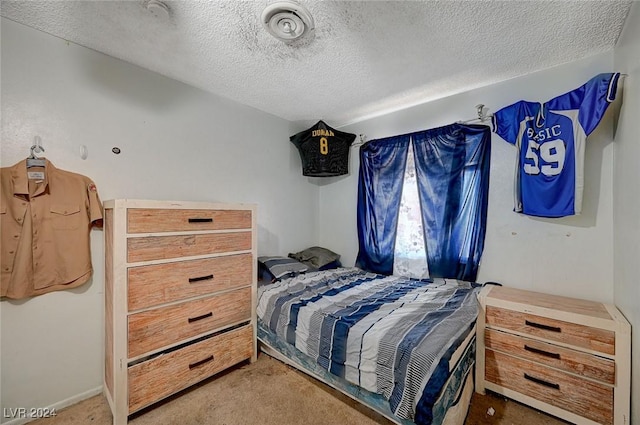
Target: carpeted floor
{"x":269,"y":392}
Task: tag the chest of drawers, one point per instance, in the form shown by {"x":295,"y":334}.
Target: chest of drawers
{"x":565,"y":356}
{"x":180,"y":294}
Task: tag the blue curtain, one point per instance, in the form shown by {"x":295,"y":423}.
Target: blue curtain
{"x":452,"y":168}
{"x":382,"y":164}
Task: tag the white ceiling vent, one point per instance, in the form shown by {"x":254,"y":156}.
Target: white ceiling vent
{"x":157,"y":8}
{"x":287,"y":20}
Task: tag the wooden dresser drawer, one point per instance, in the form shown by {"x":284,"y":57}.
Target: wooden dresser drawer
{"x":180,"y":296}
{"x":157,"y":328}
{"x":566,"y":356}
{"x":140,"y":220}
{"x":566,"y":359}
{"x":164,"y":375}
{"x":167,"y":247}
{"x":583,"y":397}
{"x":600,"y":340}
{"x":163,"y":283}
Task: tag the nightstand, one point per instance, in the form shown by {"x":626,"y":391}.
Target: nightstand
{"x":568,"y":357}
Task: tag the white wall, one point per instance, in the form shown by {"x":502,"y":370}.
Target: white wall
{"x":177,"y":143}
{"x":569,"y":256}
{"x":626,"y":219}
{"x":180,"y":143}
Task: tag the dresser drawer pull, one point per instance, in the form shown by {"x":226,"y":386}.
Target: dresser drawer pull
{"x":541,"y":326}
{"x":204,"y":316}
{"x":542,"y":382}
{"x":200,"y":278}
{"x":200,"y":220}
{"x":200,"y":362}
{"x":542,"y":352}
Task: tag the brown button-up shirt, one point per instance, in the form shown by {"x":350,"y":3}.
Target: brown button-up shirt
{"x":46,"y":217}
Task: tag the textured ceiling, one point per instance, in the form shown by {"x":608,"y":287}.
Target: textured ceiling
{"x":363,"y":59}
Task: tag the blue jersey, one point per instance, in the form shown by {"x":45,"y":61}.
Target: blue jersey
{"x":550,"y":139}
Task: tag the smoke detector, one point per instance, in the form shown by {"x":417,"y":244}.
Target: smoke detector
{"x":287,"y":20}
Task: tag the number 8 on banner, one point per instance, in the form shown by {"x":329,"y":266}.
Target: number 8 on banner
{"x":324,"y":146}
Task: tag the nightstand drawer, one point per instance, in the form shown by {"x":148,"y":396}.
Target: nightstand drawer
{"x":163,"y":283}
{"x":583,"y":397}
{"x":153,"y":329}
{"x":167,"y":247}
{"x":140,"y":220}
{"x":164,"y":375}
{"x":600,"y":340}
{"x":588,"y":365}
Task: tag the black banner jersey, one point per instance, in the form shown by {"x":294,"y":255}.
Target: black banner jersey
{"x":323,"y":150}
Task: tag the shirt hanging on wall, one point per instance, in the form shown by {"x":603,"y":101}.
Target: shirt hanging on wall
{"x":323,"y":150}
{"x":550,"y":139}
{"x":46,"y":216}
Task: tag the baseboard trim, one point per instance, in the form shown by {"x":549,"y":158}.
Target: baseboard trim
{"x":59,"y":405}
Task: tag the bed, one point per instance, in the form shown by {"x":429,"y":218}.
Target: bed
{"x":403,"y":347}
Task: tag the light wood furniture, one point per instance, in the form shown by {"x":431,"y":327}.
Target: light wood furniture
{"x":568,"y":357}
{"x":180,"y":297}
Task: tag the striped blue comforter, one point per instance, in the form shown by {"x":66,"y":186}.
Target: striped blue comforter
{"x":391,"y":335}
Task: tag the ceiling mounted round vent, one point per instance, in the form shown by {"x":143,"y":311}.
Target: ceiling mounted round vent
{"x":287,"y":20}
{"x":157,"y":8}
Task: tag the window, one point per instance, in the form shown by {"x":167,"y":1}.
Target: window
{"x":410,"y":255}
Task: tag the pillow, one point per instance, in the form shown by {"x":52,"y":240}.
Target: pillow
{"x":279,"y":267}
{"x":316,"y":257}
{"x":331,"y":265}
